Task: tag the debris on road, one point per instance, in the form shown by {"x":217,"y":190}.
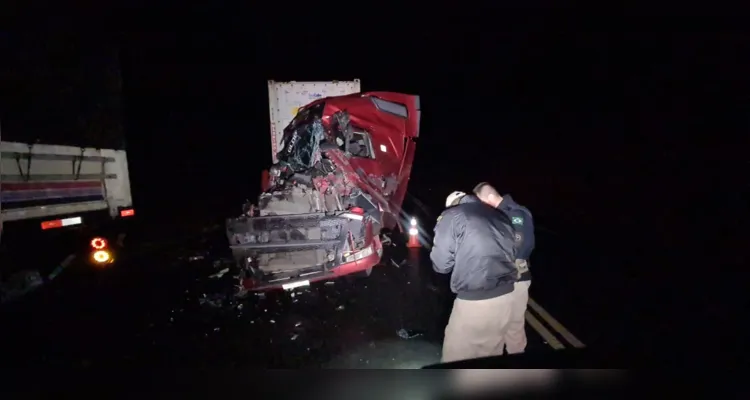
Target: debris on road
{"x":20,"y":284}
{"x":26,"y":281}
{"x":219,"y":274}
{"x":408,"y":334}
{"x":193,"y":304}
{"x":223,"y":262}
{"x":213,"y":301}
{"x":64,"y":264}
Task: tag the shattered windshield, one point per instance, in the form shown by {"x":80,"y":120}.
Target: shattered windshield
{"x":306,"y":115}
{"x":302,"y":138}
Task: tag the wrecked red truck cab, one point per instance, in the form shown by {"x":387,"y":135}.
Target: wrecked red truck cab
{"x":340,"y":179}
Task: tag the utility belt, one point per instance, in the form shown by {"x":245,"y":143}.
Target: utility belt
{"x":522,"y":266}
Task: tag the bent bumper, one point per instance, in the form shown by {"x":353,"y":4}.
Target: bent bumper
{"x":305,"y":279}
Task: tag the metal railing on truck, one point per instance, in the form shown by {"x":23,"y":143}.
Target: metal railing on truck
{"x":96,"y":179}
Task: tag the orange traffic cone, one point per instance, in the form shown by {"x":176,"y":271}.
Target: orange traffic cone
{"x":413,"y":242}
{"x":413,"y":235}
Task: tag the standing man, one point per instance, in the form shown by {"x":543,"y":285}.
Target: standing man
{"x":474,"y":243}
{"x":523,"y":224}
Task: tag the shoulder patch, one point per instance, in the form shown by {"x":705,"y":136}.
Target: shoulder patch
{"x":517,"y":220}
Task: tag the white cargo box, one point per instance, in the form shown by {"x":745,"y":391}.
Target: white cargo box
{"x":285,"y":98}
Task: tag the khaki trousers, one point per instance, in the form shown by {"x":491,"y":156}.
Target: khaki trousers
{"x":477,"y":328}
{"x":515,"y":334}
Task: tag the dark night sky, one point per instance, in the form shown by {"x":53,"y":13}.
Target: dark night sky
{"x":580,"y":126}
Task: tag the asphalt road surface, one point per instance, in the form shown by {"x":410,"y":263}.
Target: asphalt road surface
{"x":158,"y":306}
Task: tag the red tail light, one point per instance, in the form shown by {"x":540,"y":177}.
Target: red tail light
{"x":127,"y":213}
{"x":52,"y":224}
{"x":98,"y":243}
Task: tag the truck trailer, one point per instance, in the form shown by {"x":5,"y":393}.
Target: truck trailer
{"x":50,"y":194}
{"x":64,"y":181}
{"x":341,"y":165}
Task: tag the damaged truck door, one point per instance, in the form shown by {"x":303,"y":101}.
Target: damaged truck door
{"x":341,"y":176}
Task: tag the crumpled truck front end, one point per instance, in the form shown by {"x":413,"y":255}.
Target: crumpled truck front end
{"x":299,"y":234}
{"x":293,"y":250}
{"x":328,"y":196}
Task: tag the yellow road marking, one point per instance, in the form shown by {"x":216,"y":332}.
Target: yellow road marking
{"x":543,"y":331}
{"x":555,"y":324}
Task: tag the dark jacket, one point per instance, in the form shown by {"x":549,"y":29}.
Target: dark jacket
{"x":478,"y":241}
{"x":523,"y":224}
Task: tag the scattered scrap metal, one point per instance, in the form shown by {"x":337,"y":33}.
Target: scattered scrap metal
{"x":20,"y":284}
{"x":27,"y":281}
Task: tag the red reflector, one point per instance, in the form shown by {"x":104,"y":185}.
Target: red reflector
{"x":52,"y":224}
{"x":357,"y":210}
{"x":98,"y":243}
{"x":59,"y":223}
{"x":127,"y":213}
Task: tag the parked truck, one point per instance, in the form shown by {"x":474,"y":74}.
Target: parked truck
{"x":53,"y":188}
{"x":341,"y":164}
{"x":63,"y":168}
